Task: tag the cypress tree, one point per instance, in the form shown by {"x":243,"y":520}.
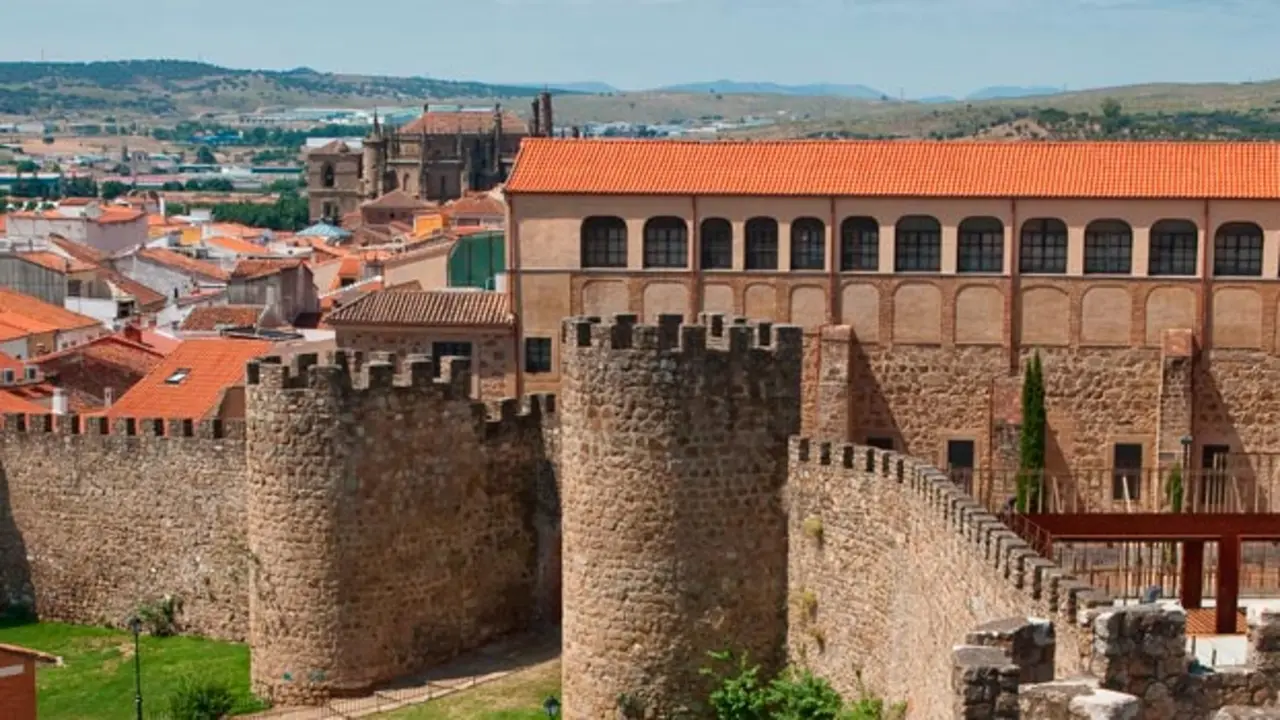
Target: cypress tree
{"x":1031,"y":444}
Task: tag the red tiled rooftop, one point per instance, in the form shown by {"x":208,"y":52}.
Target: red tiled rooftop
{"x":207,"y":318}
{"x":397,"y":200}
{"x":1221,"y":170}
{"x":250,"y":269}
{"x":469,"y":122}
{"x":111,"y":350}
{"x":428,"y":309}
{"x":477,"y":204}
{"x":25,"y":311}
{"x":80,"y":251}
{"x":235,"y":245}
{"x":114,"y":215}
{"x":54,"y":261}
{"x":212,"y":366}
{"x":183,"y":263}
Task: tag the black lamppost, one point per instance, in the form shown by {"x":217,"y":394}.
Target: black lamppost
{"x":552,"y":706}
{"x":135,"y":625}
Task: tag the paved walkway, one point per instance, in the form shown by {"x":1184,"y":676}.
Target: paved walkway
{"x":485,"y":665}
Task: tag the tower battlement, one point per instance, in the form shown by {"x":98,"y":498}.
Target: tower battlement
{"x":103,"y":426}
{"x":715,"y":333}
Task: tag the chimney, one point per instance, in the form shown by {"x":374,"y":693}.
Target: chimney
{"x":536,"y":129}
{"x":59,"y":401}
{"x":108,"y":396}
{"x":547,"y":124}
{"x":133,"y":333}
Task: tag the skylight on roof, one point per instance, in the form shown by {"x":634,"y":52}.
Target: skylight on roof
{"x":178,"y":376}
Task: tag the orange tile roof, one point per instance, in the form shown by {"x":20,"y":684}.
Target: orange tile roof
{"x":29,"y":312}
{"x":77,"y":202}
{"x":10,"y":331}
{"x":235,"y":230}
{"x":473,"y":122}
{"x":214,"y":365}
{"x":111,"y":350}
{"x":428,"y":309}
{"x":12,"y":403}
{"x":250,"y":269}
{"x":3,"y":223}
{"x":900,"y":168}
{"x":207,"y":318}
{"x":147,"y":298}
{"x":162,"y":344}
{"x":236,"y":245}
{"x":349,"y":267}
{"x":54,"y":261}
{"x":114,"y":215}
{"x":80,"y":251}
{"x":397,"y":200}
{"x":477,"y":204}
{"x":183,"y":263}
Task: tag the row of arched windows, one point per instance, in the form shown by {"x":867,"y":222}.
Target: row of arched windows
{"x":1108,"y":245}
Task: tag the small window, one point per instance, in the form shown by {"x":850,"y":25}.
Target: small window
{"x":808,"y":244}
{"x":1173,"y":248}
{"x":1126,"y":476}
{"x":917,"y":245}
{"x":981,"y":246}
{"x":31,"y":373}
{"x":860,"y":244}
{"x":666,"y":243}
{"x":1108,"y":248}
{"x":883,"y":443}
{"x":327,"y":176}
{"x":451,"y":349}
{"x":537,"y":355}
{"x":1237,"y":250}
{"x":178,"y":376}
{"x":74,"y":288}
{"x":717,"y":244}
{"x":960,"y":461}
{"x":762,"y":244}
{"x":604,"y":242}
{"x":1044,"y":247}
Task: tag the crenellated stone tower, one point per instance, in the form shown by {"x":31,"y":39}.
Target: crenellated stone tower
{"x":674,"y":447}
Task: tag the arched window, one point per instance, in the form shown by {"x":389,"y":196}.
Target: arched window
{"x":1237,"y":250}
{"x":981,"y":246}
{"x":917,"y":244}
{"x":604,"y":242}
{"x":716,"y":239}
{"x":327,"y":178}
{"x":1108,"y":248}
{"x":1172,"y":250}
{"x":860,"y":244}
{"x":1044,"y":247}
{"x":666,"y":243}
{"x":808,"y":244}
{"x":762,"y":244}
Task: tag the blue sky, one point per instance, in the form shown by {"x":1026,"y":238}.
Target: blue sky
{"x":923,"y":47}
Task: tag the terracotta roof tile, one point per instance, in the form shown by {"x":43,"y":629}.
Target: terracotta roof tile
{"x":54,"y":261}
{"x":236,"y":245}
{"x":431,"y":308}
{"x":207,"y":318}
{"x":32,"y":313}
{"x":13,"y":403}
{"x":147,"y":299}
{"x":183,"y":263}
{"x":212,"y":366}
{"x":478,"y":204}
{"x":80,"y":251}
{"x":250,"y":269}
{"x":115,"y":215}
{"x":397,"y":200}
{"x":468,"y":122}
{"x":900,"y":168}
{"x":112,"y":350}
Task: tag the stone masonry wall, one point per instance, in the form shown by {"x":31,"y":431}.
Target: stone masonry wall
{"x":675,"y":542}
{"x":891,"y":565}
{"x":92,"y":524}
{"x":392,"y":525}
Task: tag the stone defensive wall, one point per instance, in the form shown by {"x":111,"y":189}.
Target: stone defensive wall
{"x":366,"y":521}
{"x":891,"y":565}
{"x":673,"y":463}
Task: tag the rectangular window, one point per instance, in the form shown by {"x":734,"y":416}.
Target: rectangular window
{"x":860,"y":248}
{"x":883,"y":443}
{"x":1238,"y":255}
{"x":178,"y":376}
{"x":960,"y":461}
{"x":1172,"y":254}
{"x":1108,"y":253}
{"x":1126,"y":474}
{"x":717,"y":245}
{"x":1043,"y":252}
{"x":537,"y":355}
{"x":918,"y":251}
{"x":442,"y":350}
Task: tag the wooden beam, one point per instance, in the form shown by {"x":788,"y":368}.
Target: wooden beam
{"x":1128,"y":527}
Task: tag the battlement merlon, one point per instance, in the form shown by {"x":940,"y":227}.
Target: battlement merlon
{"x":350,"y":371}
{"x":1041,"y":580}
{"x":713,"y":333}
{"x":102,"y":426}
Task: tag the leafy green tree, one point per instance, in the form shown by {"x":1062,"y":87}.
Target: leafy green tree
{"x":172,"y":186}
{"x":80,"y":187}
{"x":28,"y":167}
{"x":113,"y":189}
{"x":205,"y":156}
{"x":1174,"y":489}
{"x":1031,"y":446}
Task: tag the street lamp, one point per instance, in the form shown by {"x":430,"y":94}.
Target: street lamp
{"x":135,"y":625}
{"x":552,"y":706}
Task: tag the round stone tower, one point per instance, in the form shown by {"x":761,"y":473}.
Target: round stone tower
{"x":296,"y":468}
{"x":673,"y":459}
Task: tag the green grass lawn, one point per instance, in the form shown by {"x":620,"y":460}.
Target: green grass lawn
{"x":518,"y":696}
{"x":96,"y":680}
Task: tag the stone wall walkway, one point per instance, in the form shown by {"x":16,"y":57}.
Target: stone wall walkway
{"x":490,"y":663}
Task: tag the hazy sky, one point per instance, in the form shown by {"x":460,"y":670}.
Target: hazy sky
{"x":923,"y":47}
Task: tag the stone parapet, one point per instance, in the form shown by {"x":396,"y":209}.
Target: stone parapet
{"x":1076,"y":700}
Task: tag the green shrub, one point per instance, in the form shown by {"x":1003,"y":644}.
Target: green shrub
{"x":159,"y":617}
{"x":201,"y":699}
{"x":1174,"y":488}
{"x":795,"y":694}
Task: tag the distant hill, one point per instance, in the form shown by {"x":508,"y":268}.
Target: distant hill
{"x":592,"y":87}
{"x":180,"y":87}
{"x":730,"y":87}
{"x":1008,"y":92}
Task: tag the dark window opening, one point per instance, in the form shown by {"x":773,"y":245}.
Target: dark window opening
{"x":1213,"y":481}
{"x":1237,"y":250}
{"x":918,"y":245}
{"x":1126,"y":474}
{"x":666,"y":243}
{"x":762,"y":244}
{"x":860,"y":244}
{"x":883,"y":443}
{"x":1172,"y":250}
{"x":327,"y":178}
{"x":960,"y":462}
{"x":1044,"y":247}
{"x":178,"y":376}
{"x":717,"y":244}
{"x":980,"y":248}
{"x":604,"y":242}
{"x":441,"y":350}
{"x":808,"y":244}
{"x":537,"y":355}
{"x":1108,"y":248}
